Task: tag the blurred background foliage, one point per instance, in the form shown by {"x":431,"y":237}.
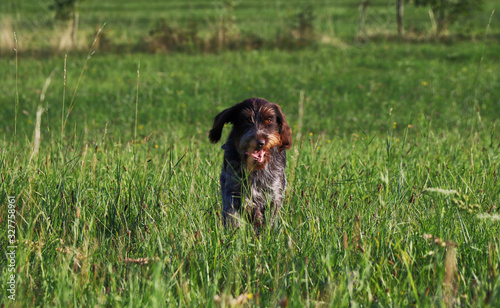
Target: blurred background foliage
{"x":50,"y":26}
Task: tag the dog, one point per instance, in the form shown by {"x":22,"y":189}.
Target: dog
{"x":253,"y":173}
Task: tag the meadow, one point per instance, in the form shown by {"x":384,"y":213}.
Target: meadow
{"x":393,"y":193}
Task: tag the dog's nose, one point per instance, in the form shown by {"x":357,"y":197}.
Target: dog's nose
{"x":260,"y":143}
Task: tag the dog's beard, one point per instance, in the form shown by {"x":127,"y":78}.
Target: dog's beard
{"x":255,"y":158}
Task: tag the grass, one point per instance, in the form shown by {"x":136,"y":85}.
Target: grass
{"x":392,"y":197}
{"x":199,"y":25}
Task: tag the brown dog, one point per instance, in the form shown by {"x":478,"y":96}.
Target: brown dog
{"x":253,"y":172}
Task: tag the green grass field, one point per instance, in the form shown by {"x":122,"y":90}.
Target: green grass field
{"x":393,"y":193}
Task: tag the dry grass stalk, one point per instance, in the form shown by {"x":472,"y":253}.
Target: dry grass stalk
{"x":140,"y":261}
{"x":68,"y":250}
{"x":491,"y":257}
{"x":356,"y":238}
{"x":36,"y":146}
{"x":450,"y":272}
{"x":228,"y":300}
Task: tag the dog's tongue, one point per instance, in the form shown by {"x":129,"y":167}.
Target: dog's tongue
{"x":258,"y":156}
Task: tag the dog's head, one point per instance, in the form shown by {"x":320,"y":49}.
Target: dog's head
{"x":258,"y":126}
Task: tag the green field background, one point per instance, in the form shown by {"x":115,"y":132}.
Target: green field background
{"x":393,"y":192}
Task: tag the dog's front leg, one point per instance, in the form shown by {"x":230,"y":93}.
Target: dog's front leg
{"x":231,"y":208}
{"x":231,"y":196}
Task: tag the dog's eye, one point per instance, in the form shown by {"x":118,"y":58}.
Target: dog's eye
{"x":269,"y":121}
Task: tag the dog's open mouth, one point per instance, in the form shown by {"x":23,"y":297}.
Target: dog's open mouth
{"x":258,"y":156}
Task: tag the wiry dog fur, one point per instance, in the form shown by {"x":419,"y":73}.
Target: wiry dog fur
{"x":253,"y":173}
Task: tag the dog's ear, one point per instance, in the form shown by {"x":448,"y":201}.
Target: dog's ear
{"x":285,"y":130}
{"x":222,"y":118}
{"x":286,"y":137}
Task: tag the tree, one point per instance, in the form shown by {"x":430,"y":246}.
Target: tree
{"x":67,"y":10}
{"x":399,"y":10}
{"x":363,"y":6}
{"x":64,"y":9}
{"x":446,"y":12}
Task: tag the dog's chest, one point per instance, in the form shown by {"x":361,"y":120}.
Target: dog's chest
{"x":266,"y":186}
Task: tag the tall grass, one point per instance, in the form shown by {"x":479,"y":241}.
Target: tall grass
{"x":392,"y":195}
{"x":109,"y":226}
